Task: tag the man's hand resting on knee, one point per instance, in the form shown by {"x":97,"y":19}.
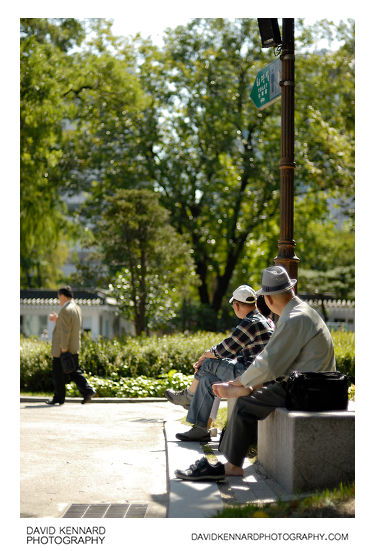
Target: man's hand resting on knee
{"x":231,"y":389}
{"x":205,"y":355}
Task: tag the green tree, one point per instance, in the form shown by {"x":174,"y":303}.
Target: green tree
{"x":43,"y":226}
{"x":149,"y":261}
{"x":327,"y":247}
{"x":325,"y":124}
{"x":217,"y":159}
{"x":179,"y":121}
{"x":103,"y":153}
{"x":78,"y":107}
{"x":216,"y":173}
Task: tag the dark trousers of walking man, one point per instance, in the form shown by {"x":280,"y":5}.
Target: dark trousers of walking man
{"x":60,"y":379}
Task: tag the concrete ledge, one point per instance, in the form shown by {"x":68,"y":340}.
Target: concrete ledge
{"x":305,"y":451}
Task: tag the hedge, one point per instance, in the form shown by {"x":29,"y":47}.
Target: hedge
{"x":141,"y":366}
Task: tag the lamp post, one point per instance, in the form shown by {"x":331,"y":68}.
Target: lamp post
{"x":286,"y":256}
{"x":270,"y":36}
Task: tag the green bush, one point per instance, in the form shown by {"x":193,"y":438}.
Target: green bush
{"x":344,"y":342}
{"x":148,"y":356}
{"x":35,"y":366}
{"x":141,"y":366}
{"x":135,"y":387}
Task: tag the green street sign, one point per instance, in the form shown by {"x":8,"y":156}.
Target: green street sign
{"x":267,"y":89}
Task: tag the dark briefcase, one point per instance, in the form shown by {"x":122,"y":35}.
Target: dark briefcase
{"x":317,"y":391}
{"x":67,"y":362}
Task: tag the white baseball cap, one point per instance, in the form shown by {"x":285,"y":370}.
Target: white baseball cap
{"x":244,"y":293}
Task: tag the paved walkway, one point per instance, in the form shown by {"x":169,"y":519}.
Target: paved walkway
{"x":119,"y":457}
{"x":193,"y":499}
{"x":111,"y":453}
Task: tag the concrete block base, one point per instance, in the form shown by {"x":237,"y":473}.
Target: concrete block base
{"x":304,"y":451}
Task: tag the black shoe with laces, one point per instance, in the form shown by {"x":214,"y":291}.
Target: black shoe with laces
{"x":53,"y":402}
{"x":195,"y":434}
{"x":203,"y":470}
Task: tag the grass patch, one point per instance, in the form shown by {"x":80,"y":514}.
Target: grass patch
{"x":335,"y":503}
{"x":209,"y":453}
{"x":221,"y":418}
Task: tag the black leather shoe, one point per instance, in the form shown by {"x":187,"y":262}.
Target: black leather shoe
{"x":87,"y":399}
{"x":53,"y":402}
{"x":195,"y":434}
{"x":203,"y":470}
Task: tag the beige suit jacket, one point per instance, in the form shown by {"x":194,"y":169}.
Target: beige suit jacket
{"x":67,"y":331}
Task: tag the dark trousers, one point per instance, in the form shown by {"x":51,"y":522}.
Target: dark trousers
{"x":241,"y":431}
{"x":60,"y":379}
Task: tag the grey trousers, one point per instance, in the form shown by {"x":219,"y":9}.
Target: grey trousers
{"x":241,"y":431}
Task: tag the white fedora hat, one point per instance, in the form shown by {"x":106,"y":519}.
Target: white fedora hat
{"x":275,"y":280}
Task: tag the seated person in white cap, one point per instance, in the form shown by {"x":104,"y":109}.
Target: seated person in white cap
{"x":301,"y":342}
{"x":227,"y":360}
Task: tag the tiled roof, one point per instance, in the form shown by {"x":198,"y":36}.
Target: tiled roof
{"x":49,"y":296}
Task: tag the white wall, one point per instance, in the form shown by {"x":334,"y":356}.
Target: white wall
{"x":99,"y":319}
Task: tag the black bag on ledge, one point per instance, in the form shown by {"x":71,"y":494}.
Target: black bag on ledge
{"x":317,"y":391}
{"x":67,"y":362}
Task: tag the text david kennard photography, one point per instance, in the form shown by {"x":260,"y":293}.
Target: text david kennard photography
{"x":65,"y":535}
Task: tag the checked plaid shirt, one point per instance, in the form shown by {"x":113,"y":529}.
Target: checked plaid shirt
{"x":247,"y":340}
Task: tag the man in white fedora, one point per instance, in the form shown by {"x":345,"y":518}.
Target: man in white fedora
{"x":224,"y":361}
{"x":300,"y":342}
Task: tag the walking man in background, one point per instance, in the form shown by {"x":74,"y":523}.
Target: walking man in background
{"x":66,"y":337}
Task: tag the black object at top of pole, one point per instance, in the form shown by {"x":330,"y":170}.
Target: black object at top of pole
{"x":269,"y":32}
